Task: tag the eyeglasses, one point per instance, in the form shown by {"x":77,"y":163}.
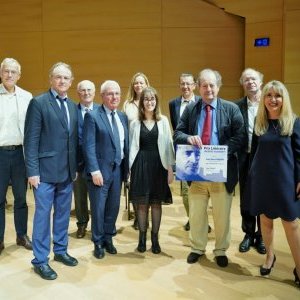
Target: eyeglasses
{"x":182,"y":84}
{"x":82,"y":91}
{"x":12,"y":72}
{"x":61,"y":77}
{"x":150,"y":99}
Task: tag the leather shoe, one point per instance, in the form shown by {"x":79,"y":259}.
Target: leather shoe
{"x":297,"y":280}
{"x":110,"y":248}
{"x":260,"y":245}
{"x":246,"y":243}
{"x":209,"y":229}
{"x":99,"y":252}
{"x":81,"y":231}
{"x":66,"y":259}
{"x":222,"y":261}
{"x":1,"y":246}
{"x":267,"y":271}
{"x":24,"y":241}
{"x":187,"y":226}
{"x":45,"y":271}
{"x":193,"y":257}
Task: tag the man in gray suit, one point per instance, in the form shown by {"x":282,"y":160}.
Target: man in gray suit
{"x":211,"y":121}
{"x":50,"y":145}
{"x":105,"y":149}
{"x":86,"y":94}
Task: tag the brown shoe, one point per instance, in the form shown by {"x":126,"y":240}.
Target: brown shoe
{"x":24,"y":241}
{"x":81,"y":231}
{"x":1,"y":246}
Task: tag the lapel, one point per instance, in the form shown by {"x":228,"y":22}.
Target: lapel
{"x":177,"y":108}
{"x":57,"y":110}
{"x":196,"y":116}
{"x":218,"y":115}
{"x":106,"y":122}
{"x":244,"y":110}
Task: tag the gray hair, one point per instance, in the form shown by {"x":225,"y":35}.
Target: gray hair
{"x":202,"y":76}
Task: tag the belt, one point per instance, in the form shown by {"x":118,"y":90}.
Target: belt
{"x":10,"y":148}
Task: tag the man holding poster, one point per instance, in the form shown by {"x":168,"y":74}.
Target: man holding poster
{"x":211,"y":121}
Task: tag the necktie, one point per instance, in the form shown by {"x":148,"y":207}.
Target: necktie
{"x":63,"y":109}
{"x":116,"y":138}
{"x":206,"y":133}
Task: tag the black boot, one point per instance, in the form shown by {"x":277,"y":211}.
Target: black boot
{"x":142,"y":241}
{"x":155,"y":244}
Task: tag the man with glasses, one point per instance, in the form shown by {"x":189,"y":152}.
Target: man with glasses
{"x":86,"y":94}
{"x":176,"y":106}
{"x":13,"y":106}
{"x":50,"y":144}
{"x":105,"y":149}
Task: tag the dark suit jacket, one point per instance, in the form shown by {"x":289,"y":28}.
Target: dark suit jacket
{"x":50,"y":148}
{"x":242,"y":153}
{"x":80,"y":130}
{"x":174,"y":107}
{"x":230,"y":126}
{"x":98,"y":143}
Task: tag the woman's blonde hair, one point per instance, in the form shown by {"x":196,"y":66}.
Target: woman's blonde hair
{"x":156,"y":112}
{"x":131,"y":94}
{"x":286,"y":117}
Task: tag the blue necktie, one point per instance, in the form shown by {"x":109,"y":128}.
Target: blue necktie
{"x":63,"y":109}
{"x":116,"y":138}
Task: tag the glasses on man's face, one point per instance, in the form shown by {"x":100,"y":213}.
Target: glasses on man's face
{"x":83,"y":91}
{"x":183,"y":84}
{"x":10,"y":72}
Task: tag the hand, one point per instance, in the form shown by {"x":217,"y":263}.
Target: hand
{"x":170,"y":175}
{"x":97,"y":179}
{"x":34,"y":181}
{"x":195,"y":140}
{"x":298,"y":190}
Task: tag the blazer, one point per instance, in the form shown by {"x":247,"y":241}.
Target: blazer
{"x":80,"y":158}
{"x":174,"y":108}
{"x":164,"y":142}
{"x":230,"y":127}
{"x":98,"y":145}
{"x":242,"y":153}
{"x":50,"y":148}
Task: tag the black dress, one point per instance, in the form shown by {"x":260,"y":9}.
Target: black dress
{"x":274,"y":173}
{"x":149,"y":179}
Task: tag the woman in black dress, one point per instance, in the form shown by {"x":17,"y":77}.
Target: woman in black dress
{"x":151,"y":158}
{"x":274,"y":175}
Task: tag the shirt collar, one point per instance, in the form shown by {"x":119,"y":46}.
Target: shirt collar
{"x":189,"y":100}
{"x":252,"y":103}
{"x":55,"y":94}
{"x":108,"y":111}
{"x":3,"y":90}
{"x":84,"y":107}
{"x":213,"y":104}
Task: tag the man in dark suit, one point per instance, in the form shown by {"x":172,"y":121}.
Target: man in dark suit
{"x":105,"y":149}
{"x":86,"y":94}
{"x":176,"y":106}
{"x":251,"y":80}
{"x":214,"y":121}
{"x":50,"y":146}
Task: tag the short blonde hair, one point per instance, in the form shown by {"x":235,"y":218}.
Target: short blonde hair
{"x":286,"y":117}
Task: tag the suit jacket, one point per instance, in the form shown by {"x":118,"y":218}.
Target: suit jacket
{"x":98,"y":145}
{"x":242,"y":153}
{"x":174,"y":107}
{"x":50,"y":148}
{"x":230,"y":127}
{"x":80,"y":158}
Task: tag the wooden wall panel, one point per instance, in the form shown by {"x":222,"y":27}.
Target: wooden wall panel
{"x":291,"y":4}
{"x":294,"y":91}
{"x":292,"y":46}
{"x":20,"y":16}
{"x":63,"y":15}
{"x":267,"y":60}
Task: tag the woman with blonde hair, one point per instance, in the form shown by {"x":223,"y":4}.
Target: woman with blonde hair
{"x":151,"y":157}
{"x":274,"y":175}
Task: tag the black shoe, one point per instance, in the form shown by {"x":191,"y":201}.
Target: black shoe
{"x":24,"y":241}
{"x":1,"y":247}
{"x":155,"y":244}
{"x":187,"y":226}
{"x":267,"y":271}
{"x":81,"y":231}
{"x":66,"y":259}
{"x":209,"y":229}
{"x":193,"y":257}
{"x":110,"y":248}
{"x":297,"y":280}
{"x":260,"y":245}
{"x":142,"y":241}
{"x":222,"y":261}
{"x":99,"y":251}
{"x":45,"y":271}
{"x":246,"y":243}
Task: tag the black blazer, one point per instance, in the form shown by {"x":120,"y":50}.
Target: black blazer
{"x":50,"y":148}
{"x":174,"y":107}
{"x":230,"y":127}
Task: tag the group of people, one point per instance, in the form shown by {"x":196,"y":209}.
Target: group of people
{"x":90,"y":149}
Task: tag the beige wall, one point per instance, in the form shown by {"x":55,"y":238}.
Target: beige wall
{"x":114,"y":39}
